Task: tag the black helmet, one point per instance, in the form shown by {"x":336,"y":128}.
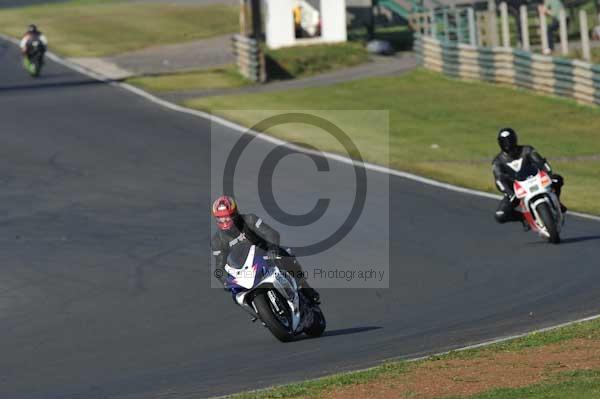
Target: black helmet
{"x":32,"y":29}
{"x":507,"y":140}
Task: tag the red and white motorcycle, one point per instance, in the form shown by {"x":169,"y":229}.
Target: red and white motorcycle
{"x":539,"y":203}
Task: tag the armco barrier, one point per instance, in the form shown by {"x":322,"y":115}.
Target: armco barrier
{"x":553,"y":75}
{"x":250,"y":58}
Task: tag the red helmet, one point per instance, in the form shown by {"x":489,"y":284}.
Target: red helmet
{"x":224,"y":209}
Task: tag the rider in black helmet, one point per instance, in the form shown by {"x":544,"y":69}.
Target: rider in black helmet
{"x":505,"y":170}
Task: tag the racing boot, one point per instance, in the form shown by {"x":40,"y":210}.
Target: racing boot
{"x":311,"y":294}
{"x":526,"y":226}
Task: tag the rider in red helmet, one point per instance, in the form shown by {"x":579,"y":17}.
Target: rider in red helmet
{"x":235,"y":228}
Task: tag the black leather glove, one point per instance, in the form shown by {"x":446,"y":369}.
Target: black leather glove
{"x":513,"y":199}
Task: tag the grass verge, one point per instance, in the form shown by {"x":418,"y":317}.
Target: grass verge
{"x":303,"y":61}
{"x":98,"y":28}
{"x":445,"y":128}
{"x":217,"y":78}
{"x":525,"y":368}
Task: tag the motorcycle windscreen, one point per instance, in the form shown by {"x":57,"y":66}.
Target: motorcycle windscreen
{"x":527,"y":170}
{"x":245,"y":267}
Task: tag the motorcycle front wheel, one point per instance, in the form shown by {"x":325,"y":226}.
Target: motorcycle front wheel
{"x":318,"y":326}
{"x":545,"y":213}
{"x":277,"y":319}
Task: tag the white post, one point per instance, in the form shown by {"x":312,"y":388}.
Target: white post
{"x":564,"y":43}
{"x":504,"y":19}
{"x":524,"y":28}
{"x":471,"y":16}
{"x":433,"y":24}
{"x":459,"y":33}
{"x":543,"y":31}
{"x":493,"y":23}
{"x":446,"y":25}
{"x":585,"y":38}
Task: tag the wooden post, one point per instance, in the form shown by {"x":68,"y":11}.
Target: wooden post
{"x":433,"y":24}
{"x":243,"y":18}
{"x":504,"y":24}
{"x":564,"y":43}
{"x":471,"y":17}
{"x":524,"y":28}
{"x":585,"y":37}
{"x":543,"y":31}
{"x":492,"y":24}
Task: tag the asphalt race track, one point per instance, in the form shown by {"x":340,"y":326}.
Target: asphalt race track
{"x":104,"y":249}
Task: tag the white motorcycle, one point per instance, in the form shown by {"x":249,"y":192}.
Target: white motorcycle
{"x":538,"y":202}
{"x":270,"y":294}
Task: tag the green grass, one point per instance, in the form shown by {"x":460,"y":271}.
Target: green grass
{"x":100,"y":28}
{"x":314,"y":387}
{"x":573,"y":384}
{"x":586,"y":330}
{"x":217,"y":78}
{"x":582,"y":384}
{"x":461,"y":118}
{"x":302,"y":61}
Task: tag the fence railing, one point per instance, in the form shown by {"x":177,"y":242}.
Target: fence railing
{"x":250,"y":58}
{"x":489,"y":26}
{"x":554,"y":75}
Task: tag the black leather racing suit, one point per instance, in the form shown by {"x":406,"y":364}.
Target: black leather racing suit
{"x":249,"y":227}
{"x":505,"y":175}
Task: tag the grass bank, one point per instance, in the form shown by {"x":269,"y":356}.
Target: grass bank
{"x":303,"y":61}
{"x":216,"y":78}
{"x":288,"y":63}
{"x":562,"y":363}
{"x":90,"y":28}
{"x":446,"y":128}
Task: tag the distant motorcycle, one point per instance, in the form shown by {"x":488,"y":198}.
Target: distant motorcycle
{"x":33,"y":60}
{"x":271,"y":294}
{"x":538,"y":202}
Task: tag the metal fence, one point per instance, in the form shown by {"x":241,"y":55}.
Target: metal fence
{"x":489,"y":25}
{"x":553,"y":75}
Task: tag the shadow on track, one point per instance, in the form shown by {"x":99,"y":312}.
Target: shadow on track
{"x":579,"y":239}
{"x":567,"y":241}
{"x":342,"y":331}
{"x":49,"y":85}
{"x":348,"y":331}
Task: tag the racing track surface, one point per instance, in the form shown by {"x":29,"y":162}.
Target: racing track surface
{"x":104,"y":241}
